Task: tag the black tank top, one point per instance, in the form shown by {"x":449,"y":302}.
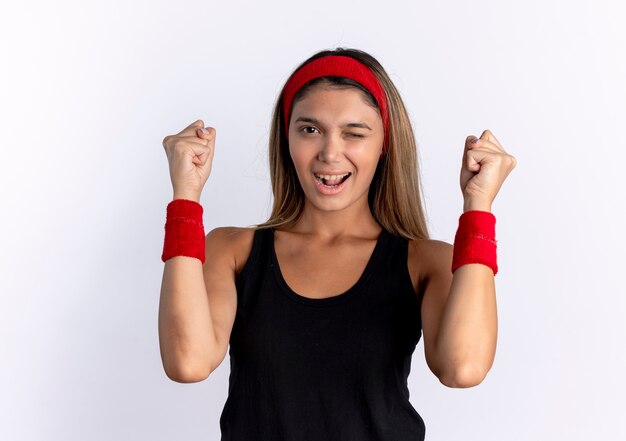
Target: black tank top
{"x":327,"y":369}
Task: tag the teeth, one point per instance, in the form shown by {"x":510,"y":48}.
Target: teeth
{"x":331,"y":177}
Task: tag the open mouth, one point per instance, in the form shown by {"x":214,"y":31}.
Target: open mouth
{"x":332,"y":181}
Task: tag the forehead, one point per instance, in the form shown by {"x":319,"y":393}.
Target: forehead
{"x":327,"y":97}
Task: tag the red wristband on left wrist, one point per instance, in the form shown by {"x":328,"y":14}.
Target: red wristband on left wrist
{"x":475,"y":240}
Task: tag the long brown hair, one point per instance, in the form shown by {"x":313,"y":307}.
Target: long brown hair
{"x":395,"y":198}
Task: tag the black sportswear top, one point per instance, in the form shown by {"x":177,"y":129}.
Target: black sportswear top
{"x":327,"y":369}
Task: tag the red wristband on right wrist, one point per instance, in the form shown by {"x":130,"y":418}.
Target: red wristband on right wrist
{"x":184,"y":231}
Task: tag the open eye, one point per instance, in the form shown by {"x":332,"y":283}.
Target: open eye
{"x":304,"y":128}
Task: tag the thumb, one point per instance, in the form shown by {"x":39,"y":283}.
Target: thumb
{"x":473,"y":159}
{"x":205,"y":133}
{"x":206,"y":157}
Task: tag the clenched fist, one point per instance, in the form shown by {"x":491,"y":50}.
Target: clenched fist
{"x":190,"y":157}
{"x":485,"y":166}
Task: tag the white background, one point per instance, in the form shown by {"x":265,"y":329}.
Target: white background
{"x":88,"y":91}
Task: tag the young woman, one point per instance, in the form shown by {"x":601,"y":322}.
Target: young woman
{"x":324,"y":303}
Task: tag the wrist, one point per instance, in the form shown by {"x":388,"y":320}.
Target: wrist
{"x":476,"y":204}
{"x":475,"y":240}
{"x":184,"y":230}
{"x":187,"y":195}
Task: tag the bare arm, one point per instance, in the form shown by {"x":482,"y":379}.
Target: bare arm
{"x":459,"y":317}
{"x":186,"y":334}
{"x":459,"y":313}
{"x":197,"y":309}
{"x":198,"y":301}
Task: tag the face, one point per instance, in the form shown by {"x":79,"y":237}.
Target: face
{"x":335,"y":143}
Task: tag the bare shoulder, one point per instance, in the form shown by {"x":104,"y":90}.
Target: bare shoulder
{"x":230,"y":243}
{"x":427,"y":258}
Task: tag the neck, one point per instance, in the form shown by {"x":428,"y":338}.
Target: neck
{"x":355,"y":220}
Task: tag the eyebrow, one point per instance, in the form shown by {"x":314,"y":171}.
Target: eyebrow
{"x":359,"y":125}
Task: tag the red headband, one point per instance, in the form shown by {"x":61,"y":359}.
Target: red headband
{"x":341,"y":66}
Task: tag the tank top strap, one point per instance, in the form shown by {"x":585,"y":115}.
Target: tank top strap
{"x":255,"y":252}
{"x":395,"y":265}
{"x":258,"y":262}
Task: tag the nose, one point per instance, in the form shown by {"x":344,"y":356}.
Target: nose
{"x":330,"y":148}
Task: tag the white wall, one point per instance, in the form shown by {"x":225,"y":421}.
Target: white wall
{"x":88,"y":90}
